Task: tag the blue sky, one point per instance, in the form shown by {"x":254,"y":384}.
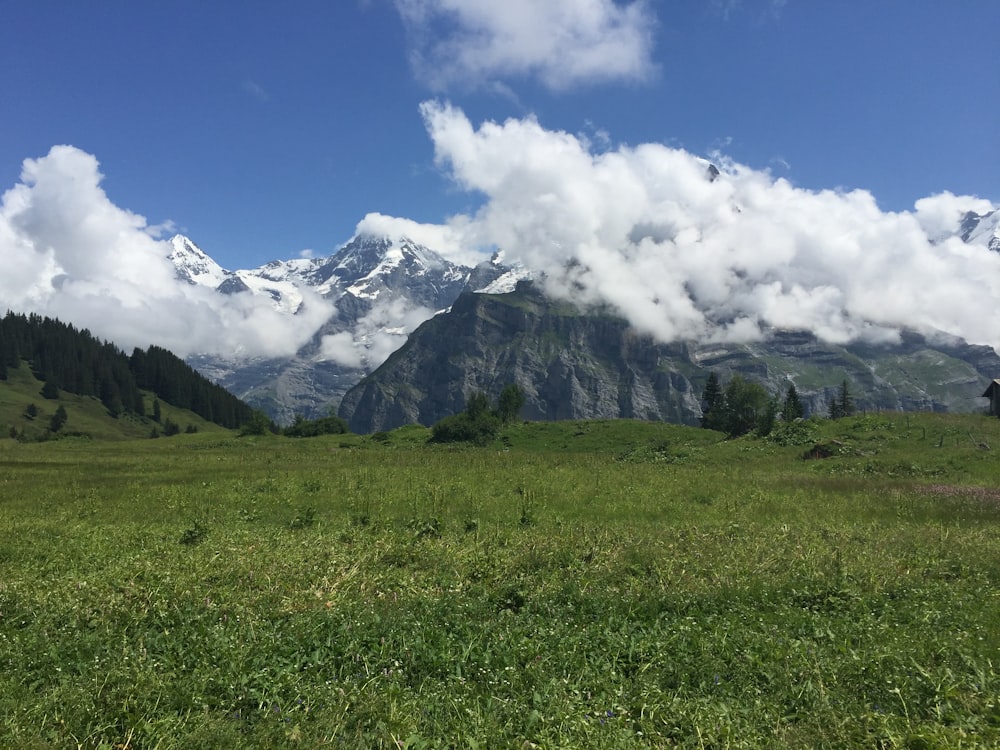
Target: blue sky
{"x":264,"y":129}
{"x":851,"y":137}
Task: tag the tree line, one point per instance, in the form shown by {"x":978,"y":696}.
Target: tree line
{"x":743,"y":406}
{"x":68,"y":359}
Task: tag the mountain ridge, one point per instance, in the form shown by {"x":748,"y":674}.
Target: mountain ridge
{"x":578,"y":365}
{"x":379,"y":289}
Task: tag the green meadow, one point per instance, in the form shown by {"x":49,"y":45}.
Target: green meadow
{"x":577,"y":584}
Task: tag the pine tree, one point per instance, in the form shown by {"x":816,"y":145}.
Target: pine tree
{"x":58,"y":419}
{"x":843,"y":405}
{"x":712,"y":403}
{"x":50,"y":390}
{"x":792,"y":409}
{"x":846,"y":402}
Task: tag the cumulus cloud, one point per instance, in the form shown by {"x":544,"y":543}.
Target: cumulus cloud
{"x":939,"y":214}
{"x":376,"y":335}
{"x":687,"y":253}
{"x":447,"y":240}
{"x":69,"y":252}
{"x":563,"y":43}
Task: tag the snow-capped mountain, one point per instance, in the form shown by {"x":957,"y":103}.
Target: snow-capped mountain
{"x":194,"y":265}
{"x":982,"y":229}
{"x":281,"y":281}
{"x":498,"y":275}
{"x":379,"y":289}
{"x":374,"y":268}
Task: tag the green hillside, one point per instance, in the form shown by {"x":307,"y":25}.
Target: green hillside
{"x":91,"y":388}
{"x":86,"y":416}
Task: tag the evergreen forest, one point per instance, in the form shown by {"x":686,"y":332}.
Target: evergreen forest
{"x":72,"y":360}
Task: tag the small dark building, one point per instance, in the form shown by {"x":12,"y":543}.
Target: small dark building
{"x":993,"y":394}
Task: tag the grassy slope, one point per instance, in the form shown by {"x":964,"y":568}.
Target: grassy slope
{"x":605,"y":584}
{"x":86,"y":415}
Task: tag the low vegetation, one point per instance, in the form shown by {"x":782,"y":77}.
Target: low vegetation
{"x":480,"y":423}
{"x":579,"y":584}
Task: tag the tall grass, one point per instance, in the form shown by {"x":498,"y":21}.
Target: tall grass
{"x":579,"y":585}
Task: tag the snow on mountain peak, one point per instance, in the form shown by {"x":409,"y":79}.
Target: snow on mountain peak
{"x":194,"y":265}
{"x":982,"y":229}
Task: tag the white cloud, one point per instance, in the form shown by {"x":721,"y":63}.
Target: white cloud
{"x":938,"y":214}
{"x":645,"y":229}
{"x":69,"y":252}
{"x":447,"y":240}
{"x":563,"y":43}
{"x":375,"y":336}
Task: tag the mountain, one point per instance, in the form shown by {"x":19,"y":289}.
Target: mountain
{"x":981,"y":229}
{"x":281,"y":281}
{"x":586,"y":365}
{"x":379,"y":288}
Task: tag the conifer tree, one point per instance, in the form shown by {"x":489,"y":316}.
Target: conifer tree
{"x":843,"y":404}
{"x":712,"y":403}
{"x":58,"y":419}
{"x":792,"y":409}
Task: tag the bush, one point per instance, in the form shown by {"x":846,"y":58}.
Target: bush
{"x":510,"y":402}
{"x":302,"y":427}
{"x":465,"y":428}
{"x":258,"y":424}
{"x":479,"y":424}
{"x":798,"y":432}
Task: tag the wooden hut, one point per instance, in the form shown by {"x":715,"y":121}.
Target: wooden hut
{"x":993,"y":394}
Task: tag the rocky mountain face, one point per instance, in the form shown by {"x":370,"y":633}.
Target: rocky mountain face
{"x":577,"y":365}
{"x":379,"y":288}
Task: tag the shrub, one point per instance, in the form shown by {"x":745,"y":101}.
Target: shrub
{"x":799,"y":432}
{"x":258,"y":424}
{"x":465,"y":428}
{"x":302,"y":427}
{"x":479,"y":424}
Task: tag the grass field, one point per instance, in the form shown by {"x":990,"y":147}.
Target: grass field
{"x":596,"y":585}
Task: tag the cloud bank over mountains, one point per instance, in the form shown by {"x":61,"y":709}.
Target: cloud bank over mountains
{"x":69,"y":252}
{"x":684,"y":248}
{"x":688,"y":249}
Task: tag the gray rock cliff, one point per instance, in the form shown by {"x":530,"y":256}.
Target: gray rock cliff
{"x":587,"y":365}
